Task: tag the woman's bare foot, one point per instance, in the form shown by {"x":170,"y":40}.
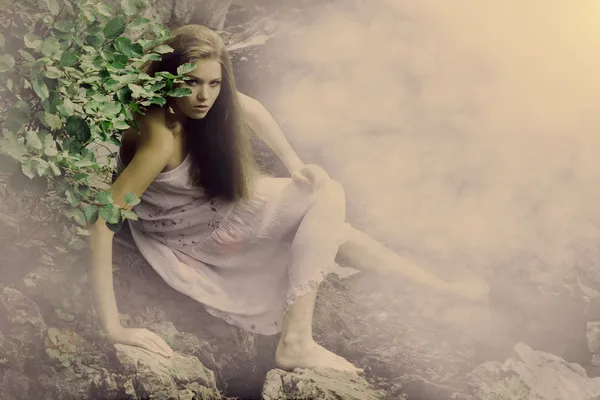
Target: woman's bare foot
{"x":310,"y":355}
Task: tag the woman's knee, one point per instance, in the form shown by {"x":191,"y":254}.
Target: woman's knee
{"x":332,"y":192}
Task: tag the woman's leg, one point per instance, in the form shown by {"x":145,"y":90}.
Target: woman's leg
{"x":314,"y":242}
{"x":363,"y":253}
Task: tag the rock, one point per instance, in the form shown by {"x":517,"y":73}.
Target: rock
{"x":524,"y":311}
{"x":185,"y":343}
{"x":534,"y":375}
{"x":318,"y":384}
{"x":593,"y":336}
{"x":174,"y":13}
{"x":21,"y":321}
{"x":16,"y":384}
{"x":155,"y":376}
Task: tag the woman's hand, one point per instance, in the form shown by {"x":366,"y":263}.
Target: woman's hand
{"x":311,"y":174}
{"x":140,"y":338}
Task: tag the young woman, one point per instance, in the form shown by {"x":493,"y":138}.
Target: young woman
{"x":251,"y":248}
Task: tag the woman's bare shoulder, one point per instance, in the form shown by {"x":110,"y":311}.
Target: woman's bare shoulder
{"x":148,"y":154}
{"x":154,"y":131}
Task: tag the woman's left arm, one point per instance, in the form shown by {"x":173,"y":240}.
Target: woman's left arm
{"x":264,"y":125}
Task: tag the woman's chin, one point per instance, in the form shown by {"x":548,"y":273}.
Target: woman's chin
{"x":197,"y":113}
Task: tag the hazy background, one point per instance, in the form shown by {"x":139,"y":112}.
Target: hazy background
{"x":465,"y":132}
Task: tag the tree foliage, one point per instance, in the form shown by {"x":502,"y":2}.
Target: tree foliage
{"x":70,"y":80}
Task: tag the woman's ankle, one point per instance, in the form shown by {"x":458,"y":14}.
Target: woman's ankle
{"x":295,"y":338}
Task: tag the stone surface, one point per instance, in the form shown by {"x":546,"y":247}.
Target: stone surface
{"x":534,"y":375}
{"x":318,"y":384}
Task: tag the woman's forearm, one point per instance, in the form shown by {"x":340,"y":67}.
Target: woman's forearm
{"x":102,"y":277}
{"x":265,"y":127}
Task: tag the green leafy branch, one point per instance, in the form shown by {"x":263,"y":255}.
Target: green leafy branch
{"x":71,"y":78}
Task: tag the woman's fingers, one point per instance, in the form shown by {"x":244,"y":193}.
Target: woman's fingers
{"x":301,"y":178}
{"x":157,"y":343}
{"x":161,"y":344}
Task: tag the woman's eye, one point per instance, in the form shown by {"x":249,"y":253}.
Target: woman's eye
{"x":215,"y":83}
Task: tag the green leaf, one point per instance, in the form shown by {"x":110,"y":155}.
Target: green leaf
{"x":114,"y":28}
{"x":50,"y":46}
{"x":115,"y":227}
{"x":77,"y":127}
{"x":33,"y":140}
{"x":124,"y":95}
{"x":139,"y":23}
{"x":163,"y":49}
{"x":110,"y":108}
{"x":84,"y":190}
{"x":54,"y":168}
{"x":32,"y":41}
{"x":68,"y":59}
{"x":64,"y":25}
{"x":110,"y":214}
{"x":40,"y":87}
{"x":179,"y":92}
{"x":87,"y":159}
{"x":7,"y":62}
{"x":79,"y":217}
{"x":28,"y":168}
{"x":51,"y":105}
{"x":82,"y":176}
{"x":112,"y":84}
{"x":16,"y":119}
{"x":158,"y":100}
{"x":166,"y":74}
{"x":69,"y":37}
{"x":120,"y":124}
{"x":91,"y":214}
{"x":158,"y":86}
{"x":132,"y":7}
{"x":117,"y":66}
{"x":88,"y":13}
{"x":186,"y":68}
{"x":53,"y":6}
{"x":53,"y":121}
{"x":104,"y":9}
{"x":150,"y":57}
{"x":52,"y":72}
{"x":137,"y":91}
{"x":41,"y":166}
{"x":66,"y":108}
{"x":127,"y":214}
{"x":72,"y":197}
{"x":61,"y":187}
{"x":131,"y":50}
{"x":27,"y":56}
{"x":94,"y":41}
{"x":120,"y":59}
{"x":131,"y":199}
{"x":104,"y":197}
{"x":12,"y":146}
{"x":49,"y":145}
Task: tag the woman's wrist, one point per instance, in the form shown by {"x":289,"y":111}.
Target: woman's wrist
{"x":294,"y":164}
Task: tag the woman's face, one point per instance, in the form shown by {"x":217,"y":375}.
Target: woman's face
{"x":205,"y":84}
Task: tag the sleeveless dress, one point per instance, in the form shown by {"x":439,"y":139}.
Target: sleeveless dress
{"x":232,"y":257}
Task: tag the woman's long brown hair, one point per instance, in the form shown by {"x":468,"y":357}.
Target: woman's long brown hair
{"x":219,"y":144}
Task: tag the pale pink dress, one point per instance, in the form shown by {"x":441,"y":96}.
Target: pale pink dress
{"x":234,"y":258}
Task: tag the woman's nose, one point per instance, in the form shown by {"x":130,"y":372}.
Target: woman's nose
{"x":203,"y":93}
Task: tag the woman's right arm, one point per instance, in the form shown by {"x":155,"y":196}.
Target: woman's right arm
{"x":155,"y":147}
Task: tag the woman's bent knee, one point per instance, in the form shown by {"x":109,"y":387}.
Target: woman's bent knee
{"x":332,"y":192}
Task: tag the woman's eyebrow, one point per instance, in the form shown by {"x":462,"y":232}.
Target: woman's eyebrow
{"x":202,"y":80}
